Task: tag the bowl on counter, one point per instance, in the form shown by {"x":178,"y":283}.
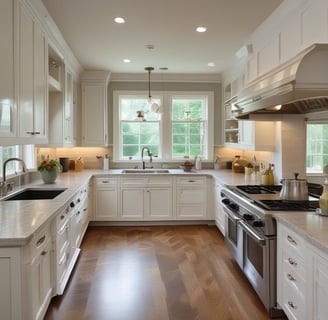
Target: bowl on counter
{"x":186,"y":167}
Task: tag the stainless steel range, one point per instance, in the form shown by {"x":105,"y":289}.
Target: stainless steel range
{"x":251,"y":235}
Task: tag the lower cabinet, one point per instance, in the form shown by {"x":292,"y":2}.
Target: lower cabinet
{"x":152,"y":197}
{"x":146,"y":198}
{"x":219,"y":213}
{"x":191,"y":198}
{"x":302,"y":277}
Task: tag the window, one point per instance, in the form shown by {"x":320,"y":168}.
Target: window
{"x":138,"y":128}
{"x":316,"y":147}
{"x":188,"y":127}
{"x":25,"y":152}
{"x":183,"y":130}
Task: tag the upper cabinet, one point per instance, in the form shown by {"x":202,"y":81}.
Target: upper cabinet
{"x":32,"y":94}
{"x":23,"y":98}
{"x":94,"y":108}
{"x":293,"y":28}
{"x":7,"y":92}
{"x":62,"y":102}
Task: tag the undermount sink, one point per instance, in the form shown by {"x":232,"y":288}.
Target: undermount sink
{"x":35,"y":194}
{"x":145,"y":171}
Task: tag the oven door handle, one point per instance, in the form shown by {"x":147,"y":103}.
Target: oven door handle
{"x":260,"y":240}
{"x":231,"y":215}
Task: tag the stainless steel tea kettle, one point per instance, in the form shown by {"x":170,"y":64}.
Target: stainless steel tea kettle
{"x":294,"y":189}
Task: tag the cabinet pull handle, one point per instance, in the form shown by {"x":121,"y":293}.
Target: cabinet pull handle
{"x":292,"y":262}
{"x":292,"y":305}
{"x":32,"y":133}
{"x":105,"y":181}
{"x":191,"y":181}
{"x":40,"y":241}
{"x":290,"y":277}
{"x":43,"y":253}
{"x":62,"y":217}
{"x":291,"y":240}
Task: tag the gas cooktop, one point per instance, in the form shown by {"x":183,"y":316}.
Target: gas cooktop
{"x":268,"y":197}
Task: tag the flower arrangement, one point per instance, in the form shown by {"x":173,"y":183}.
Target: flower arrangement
{"x":49,"y":164}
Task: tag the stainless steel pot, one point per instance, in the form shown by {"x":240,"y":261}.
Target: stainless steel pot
{"x":294,"y":189}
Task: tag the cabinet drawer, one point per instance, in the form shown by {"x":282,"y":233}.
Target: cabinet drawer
{"x":294,"y":261}
{"x":293,"y":303}
{"x":137,"y":181}
{"x":105,"y":182}
{"x":191,"y":181}
{"x":294,"y":243}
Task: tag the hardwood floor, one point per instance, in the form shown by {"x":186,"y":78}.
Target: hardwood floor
{"x":154,"y":273}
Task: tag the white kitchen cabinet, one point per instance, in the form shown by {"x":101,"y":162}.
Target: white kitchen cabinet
{"x":94,"y":108}
{"x":8,"y":106}
{"x":32,"y":94}
{"x":62,"y":102}
{"x":39,"y":277}
{"x":291,"y":274}
{"x":219,"y":213}
{"x":191,"y":198}
{"x":68,"y":229}
{"x":105,"y":198}
{"x":147,"y":198}
{"x":257,"y":135}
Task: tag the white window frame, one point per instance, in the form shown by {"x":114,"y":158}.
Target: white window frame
{"x":165,"y":123}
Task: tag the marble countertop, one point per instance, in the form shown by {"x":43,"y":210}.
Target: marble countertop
{"x":20,"y":219}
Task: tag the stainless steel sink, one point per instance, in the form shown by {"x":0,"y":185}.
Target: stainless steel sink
{"x":145,"y":171}
{"x":34,"y":194}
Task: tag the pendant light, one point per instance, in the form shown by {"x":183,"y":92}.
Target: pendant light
{"x":153,"y":106}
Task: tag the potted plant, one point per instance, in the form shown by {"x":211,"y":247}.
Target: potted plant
{"x":248,"y":168}
{"x":49,"y":169}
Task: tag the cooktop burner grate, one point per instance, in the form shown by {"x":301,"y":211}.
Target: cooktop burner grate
{"x":289,"y":205}
{"x":259,"y":189}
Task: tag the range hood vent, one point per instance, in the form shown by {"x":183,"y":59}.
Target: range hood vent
{"x":297,"y":87}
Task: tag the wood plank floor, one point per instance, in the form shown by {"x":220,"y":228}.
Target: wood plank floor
{"x":154,"y":273}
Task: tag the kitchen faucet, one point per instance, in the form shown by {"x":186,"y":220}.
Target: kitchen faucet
{"x":3,"y":185}
{"x":150,"y":155}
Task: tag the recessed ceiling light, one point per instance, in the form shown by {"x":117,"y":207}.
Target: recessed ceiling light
{"x":126,"y":60}
{"x":211,"y":64}
{"x":201,"y":29}
{"x":119,"y":20}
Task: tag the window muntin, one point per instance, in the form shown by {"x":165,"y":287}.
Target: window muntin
{"x":316,"y":147}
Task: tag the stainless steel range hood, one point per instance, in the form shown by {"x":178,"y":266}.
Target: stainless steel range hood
{"x":299,"y":87}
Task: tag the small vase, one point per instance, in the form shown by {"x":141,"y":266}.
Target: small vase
{"x":49,"y":176}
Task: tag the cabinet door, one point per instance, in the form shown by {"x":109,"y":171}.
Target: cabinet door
{"x":7,"y":109}
{"x":69,"y":125}
{"x":41,"y":282}
{"x":132,"y":203}
{"x":219,"y":213}
{"x":40,"y":114}
{"x":106,"y":204}
{"x":320,"y":307}
{"x":94,"y":115}
{"x":159,"y":203}
{"x":26,"y":64}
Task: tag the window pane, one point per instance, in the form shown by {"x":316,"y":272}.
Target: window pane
{"x":130,"y":151}
{"x":316,"y":147}
{"x":130,"y":106}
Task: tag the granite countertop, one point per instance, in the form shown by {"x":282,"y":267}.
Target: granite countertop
{"x":311,"y":226}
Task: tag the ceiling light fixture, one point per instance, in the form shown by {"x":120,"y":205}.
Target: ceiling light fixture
{"x":211,"y":64}
{"x":126,"y":60}
{"x":201,"y":29}
{"x":153,"y":106}
{"x":119,"y":20}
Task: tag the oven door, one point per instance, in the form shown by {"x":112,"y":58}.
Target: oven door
{"x":233,"y":235}
{"x":260,"y":264}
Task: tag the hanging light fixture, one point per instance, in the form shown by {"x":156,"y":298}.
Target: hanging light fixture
{"x":153,"y":106}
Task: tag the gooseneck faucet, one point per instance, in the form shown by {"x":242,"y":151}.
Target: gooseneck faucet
{"x":4,"y":169}
{"x":150,"y":155}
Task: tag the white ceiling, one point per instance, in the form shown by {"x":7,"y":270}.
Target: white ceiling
{"x":99,"y":43}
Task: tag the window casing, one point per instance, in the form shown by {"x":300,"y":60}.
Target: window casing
{"x":183,"y":129}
